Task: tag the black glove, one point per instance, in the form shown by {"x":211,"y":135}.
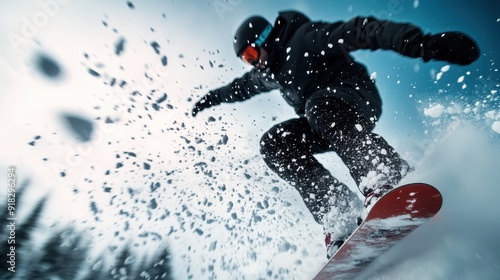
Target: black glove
{"x":207,"y":101}
{"x":453,"y":47}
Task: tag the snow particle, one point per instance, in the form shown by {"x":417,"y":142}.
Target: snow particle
{"x":48,"y":66}
{"x":161,"y":99}
{"x":81,"y":127}
{"x":445,"y":68}
{"x":434,"y":112}
{"x":153,"y":204}
{"x":119,"y":47}
{"x":93,"y":73}
{"x":496,"y":127}
{"x":156,"y":47}
{"x":439,"y":75}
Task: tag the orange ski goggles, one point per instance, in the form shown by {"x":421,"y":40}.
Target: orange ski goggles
{"x":250,"y":55}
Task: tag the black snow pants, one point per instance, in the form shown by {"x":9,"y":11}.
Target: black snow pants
{"x":330,"y":125}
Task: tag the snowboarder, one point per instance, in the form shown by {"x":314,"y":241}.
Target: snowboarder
{"x":336,"y":102}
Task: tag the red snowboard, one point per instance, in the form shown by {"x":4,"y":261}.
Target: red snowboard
{"x":392,"y":218}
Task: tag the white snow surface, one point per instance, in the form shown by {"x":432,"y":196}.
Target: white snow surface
{"x":199,"y":185}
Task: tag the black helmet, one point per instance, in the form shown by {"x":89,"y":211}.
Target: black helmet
{"x":254,"y":30}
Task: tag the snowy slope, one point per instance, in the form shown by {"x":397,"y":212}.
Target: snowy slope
{"x":95,"y":114}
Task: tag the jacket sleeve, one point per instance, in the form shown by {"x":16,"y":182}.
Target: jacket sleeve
{"x":250,"y":84}
{"x":365,"y":33}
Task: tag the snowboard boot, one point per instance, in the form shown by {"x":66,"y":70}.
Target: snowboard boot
{"x":378,"y":191}
{"x":332,"y":246}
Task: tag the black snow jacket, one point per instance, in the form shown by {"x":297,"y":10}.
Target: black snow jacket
{"x":306,"y":56}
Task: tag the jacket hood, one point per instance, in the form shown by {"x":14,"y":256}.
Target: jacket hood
{"x":286,"y":24}
{"x":284,"y":27}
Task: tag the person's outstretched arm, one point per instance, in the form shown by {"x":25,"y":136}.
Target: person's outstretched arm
{"x":250,"y":84}
{"x":404,"y":38}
